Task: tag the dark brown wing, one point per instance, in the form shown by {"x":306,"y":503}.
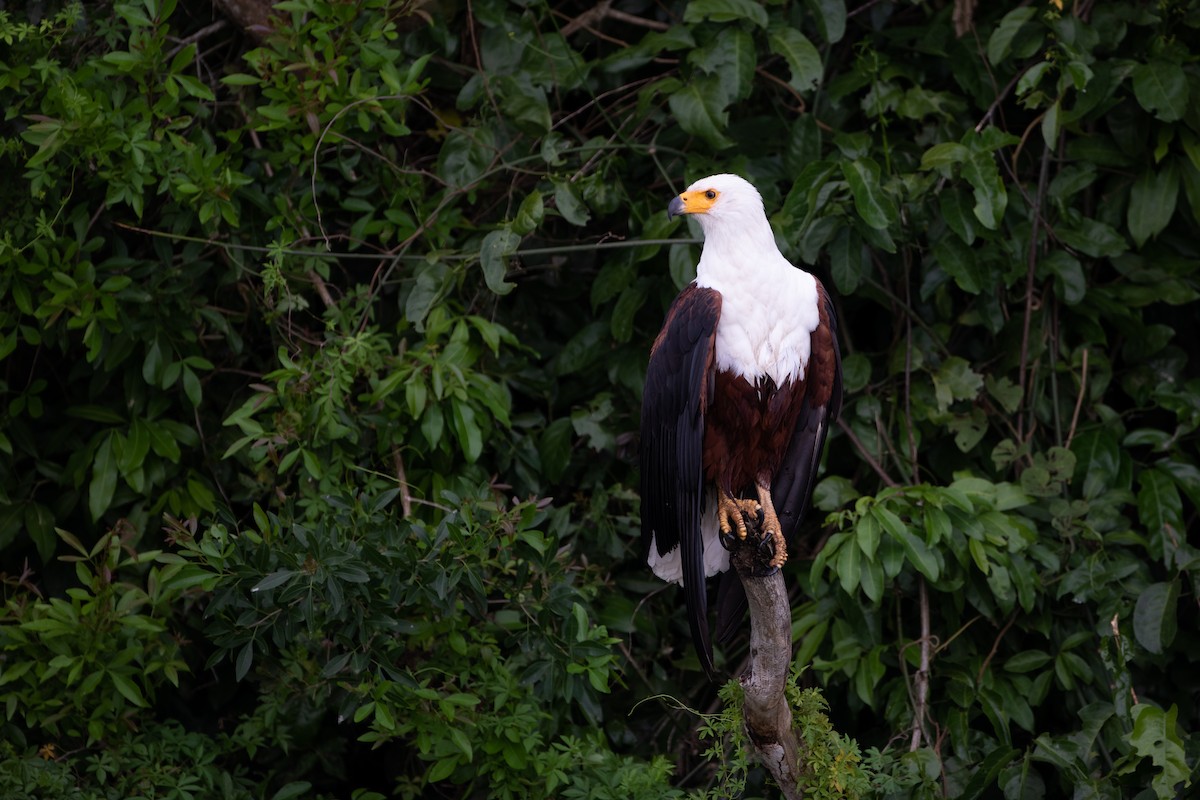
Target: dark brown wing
{"x":679,"y":383}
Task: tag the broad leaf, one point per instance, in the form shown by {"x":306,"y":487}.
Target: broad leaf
{"x":991,"y":198}
{"x":566,"y":200}
{"x":697,"y":108}
{"x":870,"y":200}
{"x":1152,"y":202}
{"x":726,"y":11}
{"x":493,"y":257}
{"x":104,"y":478}
{"x":1000,"y":42}
{"x":1154,"y":616}
{"x":802,"y":58}
{"x":1161,"y":87}
{"x":830,"y":17}
{"x":1155,"y":737}
{"x":731,"y":59}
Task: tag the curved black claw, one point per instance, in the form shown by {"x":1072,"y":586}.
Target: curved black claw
{"x":763,"y":556}
{"x":728,"y":540}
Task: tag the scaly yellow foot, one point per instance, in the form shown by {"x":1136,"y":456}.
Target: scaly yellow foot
{"x":771,"y":527}
{"x":730,"y":515}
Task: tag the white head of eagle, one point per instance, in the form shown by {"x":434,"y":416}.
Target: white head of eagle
{"x":742,"y":382}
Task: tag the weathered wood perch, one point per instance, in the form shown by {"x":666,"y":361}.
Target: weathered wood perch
{"x":766,"y":711}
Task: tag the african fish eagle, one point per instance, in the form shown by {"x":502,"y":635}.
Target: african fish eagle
{"x":743,"y":382}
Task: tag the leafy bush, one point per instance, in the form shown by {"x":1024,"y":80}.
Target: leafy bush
{"x":325,"y":345}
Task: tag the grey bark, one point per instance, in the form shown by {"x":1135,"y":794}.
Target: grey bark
{"x":766,"y":711}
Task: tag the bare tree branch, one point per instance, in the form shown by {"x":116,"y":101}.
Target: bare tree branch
{"x":766,"y":711}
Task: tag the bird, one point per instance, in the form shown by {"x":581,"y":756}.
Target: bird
{"x":742,"y":384}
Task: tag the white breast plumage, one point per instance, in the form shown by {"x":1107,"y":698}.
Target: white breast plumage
{"x":765,"y":324}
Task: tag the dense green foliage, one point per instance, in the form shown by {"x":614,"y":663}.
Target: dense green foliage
{"x":321,"y":362}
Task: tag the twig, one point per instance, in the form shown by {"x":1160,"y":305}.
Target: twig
{"x":322,"y":290}
{"x":866,"y":454}
{"x":604,"y":10}
{"x":1031,"y":269}
{"x":995,"y":646}
{"x":197,"y":36}
{"x":1083,"y":371}
{"x":915,"y":472}
{"x":922,"y":678}
{"x":402,"y":482}
{"x":787,"y":87}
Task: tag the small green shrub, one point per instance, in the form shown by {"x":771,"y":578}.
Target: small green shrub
{"x":84,"y":667}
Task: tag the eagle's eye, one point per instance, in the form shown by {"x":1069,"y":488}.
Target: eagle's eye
{"x":710,"y":194}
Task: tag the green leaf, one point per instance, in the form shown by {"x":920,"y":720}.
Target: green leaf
{"x":632,"y":299}
{"x":953,"y":204}
{"x":958,"y":261}
{"x":867,"y":532}
{"x":1161,"y":87}
{"x":725,"y":11}
{"x":273,"y":580}
{"x":442,"y":770}
{"x":127,"y":688}
{"x":871,"y":580}
{"x":984,"y":777}
{"x":1070,"y":284}
{"x":870,"y":200}
{"x":524,"y":104}
{"x":917,"y":553}
{"x":1028,"y":661}
{"x":681,"y":260}
{"x":1032,"y":77}
{"x":194,"y":87}
{"x":849,"y":260}
{"x":555,"y":447}
{"x":944,"y":154}
{"x":847,"y":567}
{"x":137,"y":446}
{"x":955,"y":380}
{"x":123,"y":59}
{"x":293,"y":790}
{"x":830,"y":17}
{"x":1152,"y":202}
{"x":104,"y":478}
{"x":566,"y":200}
{"x":730,"y":58}
{"x":245,"y":659}
{"x":699,"y":113}
{"x":834,"y":492}
{"x":991,"y":199}
{"x":1160,"y":507}
{"x":1050,"y":124}
{"x":465,"y":156}
{"x":1154,"y":736}
{"x":802,"y":58}
{"x":424,"y":294}
{"x":493,"y":257}
{"x":470,"y":437}
{"x":1154,"y":617}
{"x":1094,"y":238}
{"x":1000,"y":42}
{"x":1007,"y":393}
{"x":530,"y":214}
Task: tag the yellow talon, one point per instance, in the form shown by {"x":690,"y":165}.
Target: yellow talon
{"x":733,"y":511}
